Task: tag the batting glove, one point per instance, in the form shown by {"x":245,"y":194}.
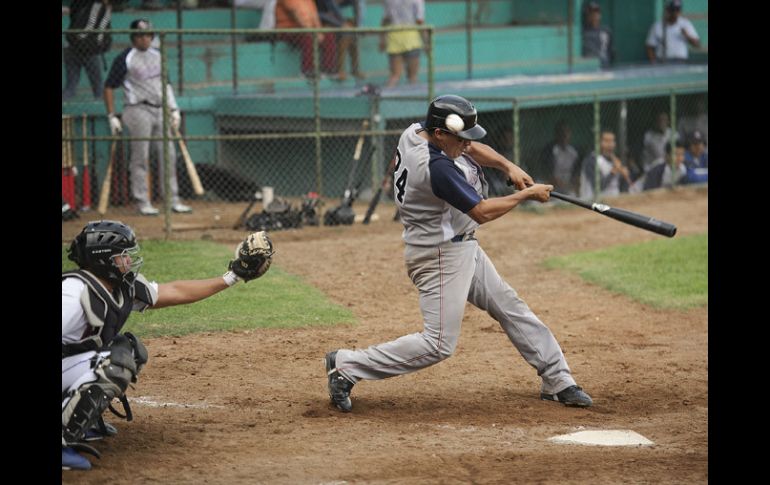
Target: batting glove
{"x":176,"y":119}
{"x":115,"y":126}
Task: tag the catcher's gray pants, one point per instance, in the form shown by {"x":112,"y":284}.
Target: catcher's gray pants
{"x":143,"y":120}
{"x":447,"y":276}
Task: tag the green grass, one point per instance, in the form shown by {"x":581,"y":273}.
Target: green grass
{"x":665,"y":273}
{"x":277,"y":299}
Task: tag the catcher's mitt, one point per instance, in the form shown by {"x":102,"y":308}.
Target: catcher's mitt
{"x":253,"y":256}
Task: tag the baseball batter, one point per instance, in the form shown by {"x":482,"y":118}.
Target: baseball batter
{"x":441,"y":194}
{"x":98,"y":362}
{"x":137,"y":70}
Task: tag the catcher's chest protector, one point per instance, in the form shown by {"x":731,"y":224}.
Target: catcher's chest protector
{"x":105,"y":313}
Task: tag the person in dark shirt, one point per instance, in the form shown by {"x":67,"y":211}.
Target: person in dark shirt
{"x":597,"y":39}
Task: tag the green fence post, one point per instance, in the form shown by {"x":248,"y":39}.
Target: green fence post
{"x":233,"y":50}
{"x":165,"y":158}
{"x":317,"y":114}
{"x":570,"y":33}
{"x":469,"y":36}
{"x":516,"y":129}
{"x":597,"y":149}
{"x":674,"y":135}
{"x":430,"y":64}
{"x":180,"y":48}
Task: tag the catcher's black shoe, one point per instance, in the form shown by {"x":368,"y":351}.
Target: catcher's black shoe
{"x":572,"y":396}
{"x":339,"y":386}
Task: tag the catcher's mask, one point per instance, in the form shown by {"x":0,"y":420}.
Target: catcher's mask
{"x":456,"y":115}
{"x":109,"y":250}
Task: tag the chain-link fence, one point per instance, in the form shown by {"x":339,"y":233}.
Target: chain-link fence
{"x":267,"y":109}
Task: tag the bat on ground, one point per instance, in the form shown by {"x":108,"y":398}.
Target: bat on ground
{"x":386,"y":181}
{"x":68,"y":171}
{"x":191,"y":171}
{"x":639,"y":220}
{"x":243,"y":215}
{"x":86,"y":195}
{"x":104,"y":194}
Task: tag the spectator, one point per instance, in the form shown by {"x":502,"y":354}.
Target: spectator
{"x":348,"y":43}
{"x":655,"y":139}
{"x":613,"y":175}
{"x":661,"y":174}
{"x":697,"y":122}
{"x":303,"y":14}
{"x":597,"y":39}
{"x":84,"y":50}
{"x":137,"y":70}
{"x":559,"y":161}
{"x":404,"y":45}
{"x":679,"y":32}
{"x":696,"y":159}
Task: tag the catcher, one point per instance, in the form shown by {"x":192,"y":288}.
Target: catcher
{"x":99,"y":362}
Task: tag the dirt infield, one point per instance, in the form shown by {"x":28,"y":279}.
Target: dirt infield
{"x":251,"y":407}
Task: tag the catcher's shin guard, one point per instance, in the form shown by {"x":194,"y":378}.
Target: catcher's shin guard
{"x":82,"y":412}
{"x":86,"y":404}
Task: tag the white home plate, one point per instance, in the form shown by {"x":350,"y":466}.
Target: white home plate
{"x":607,"y":437}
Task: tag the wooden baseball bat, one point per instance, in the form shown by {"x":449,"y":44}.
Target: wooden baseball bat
{"x":191,"y":171}
{"x":386,"y":181}
{"x":86,"y":195}
{"x":104,"y":194}
{"x":68,"y":172}
{"x":242,"y":219}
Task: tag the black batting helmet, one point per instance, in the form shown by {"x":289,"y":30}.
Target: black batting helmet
{"x":141,"y":25}
{"x":464,"y":122}
{"x":95,"y":248}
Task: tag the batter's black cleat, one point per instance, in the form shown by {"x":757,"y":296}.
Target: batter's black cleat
{"x":339,"y":386}
{"x":573,"y":396}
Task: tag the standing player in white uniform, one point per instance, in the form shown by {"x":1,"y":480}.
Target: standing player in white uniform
{"x":441,"y":195}
{"x":98,"y":362}
{"x":137,"y":70}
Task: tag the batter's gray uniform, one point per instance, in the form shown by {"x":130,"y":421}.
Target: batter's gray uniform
{"x":448,"y":266}
{"x":138,"y":72}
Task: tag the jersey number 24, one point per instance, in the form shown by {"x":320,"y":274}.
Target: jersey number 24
{"x":401,"y":181}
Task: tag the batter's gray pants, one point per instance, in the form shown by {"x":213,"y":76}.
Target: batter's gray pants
{"x":446,"y":277}
{"x":143,"y":120}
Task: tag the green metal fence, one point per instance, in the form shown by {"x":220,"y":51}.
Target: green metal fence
{"x":303,"y":138}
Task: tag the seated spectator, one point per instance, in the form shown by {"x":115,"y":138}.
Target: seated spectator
{"x":696,"y":159}
{"x":303,"y":14}
{"x":597,"y":39}
{"x":559,"y":161}
{"x":613,"y":175}
{"x":699,"y":121}
{"x":330,"y":13}
{"x":671,"y":46}
{"x":655,"y":139}
{"x":348,"y":43}
{"x":661,"y":173}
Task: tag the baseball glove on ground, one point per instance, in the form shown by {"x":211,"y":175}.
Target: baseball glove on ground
{"x":253,"y":256}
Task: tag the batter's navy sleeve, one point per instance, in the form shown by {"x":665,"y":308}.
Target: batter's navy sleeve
{"x":449,"y":184}
{"x":117,"y":71}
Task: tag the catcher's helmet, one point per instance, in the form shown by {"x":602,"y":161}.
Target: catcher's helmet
{"x":95,"y":248}
{"x":141,"y":25}
{"x":463,"y":124}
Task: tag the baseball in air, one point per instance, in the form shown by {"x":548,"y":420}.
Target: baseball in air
{"x":454,"y":123}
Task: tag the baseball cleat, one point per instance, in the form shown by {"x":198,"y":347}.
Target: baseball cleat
{"x":339,"y":386}
{"x":573,"y":396}
{"x":96,"y":434}
{"x":72,"y":460}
